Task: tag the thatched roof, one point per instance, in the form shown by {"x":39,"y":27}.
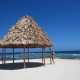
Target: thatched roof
{"x":26,"y":33}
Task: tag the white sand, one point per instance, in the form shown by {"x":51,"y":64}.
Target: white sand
{"x":63,"y":69}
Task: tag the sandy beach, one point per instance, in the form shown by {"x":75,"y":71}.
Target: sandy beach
{"x":63,"y":69}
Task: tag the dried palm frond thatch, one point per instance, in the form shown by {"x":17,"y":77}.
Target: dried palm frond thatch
{"x":26,"y":33}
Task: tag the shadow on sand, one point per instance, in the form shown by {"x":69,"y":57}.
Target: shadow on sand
{"x":11,"y":66}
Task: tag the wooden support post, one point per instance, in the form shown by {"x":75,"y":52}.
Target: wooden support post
{"x":24,"y":58}
{"x":5,"y":55}
{"x":2,"y":55}
{"x":28,"y":55}
{"x":13,"y":55}
{"x":50,"y":55}
{"x":44,"y":55}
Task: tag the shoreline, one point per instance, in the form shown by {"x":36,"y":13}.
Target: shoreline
{"x":41,"y":59}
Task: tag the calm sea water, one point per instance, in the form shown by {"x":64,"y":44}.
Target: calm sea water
{"x":33,"y":55}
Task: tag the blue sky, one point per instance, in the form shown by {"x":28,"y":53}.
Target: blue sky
{"x":60,"y":19}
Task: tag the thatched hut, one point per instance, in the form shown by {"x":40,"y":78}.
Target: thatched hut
{"x":26,"y":33}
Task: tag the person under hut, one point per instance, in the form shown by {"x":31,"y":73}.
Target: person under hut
{"x":53,"y":56}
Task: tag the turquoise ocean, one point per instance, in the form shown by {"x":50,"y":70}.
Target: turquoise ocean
{"x":37,"y":55}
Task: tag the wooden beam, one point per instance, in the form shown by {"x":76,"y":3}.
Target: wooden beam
{"x":2,"y":55}
{"x":28,"y":55}
{"x":44,"y":55}
{"x":50,"y":55}
{"x":24,"y":58}
{"x":13,"y":55}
